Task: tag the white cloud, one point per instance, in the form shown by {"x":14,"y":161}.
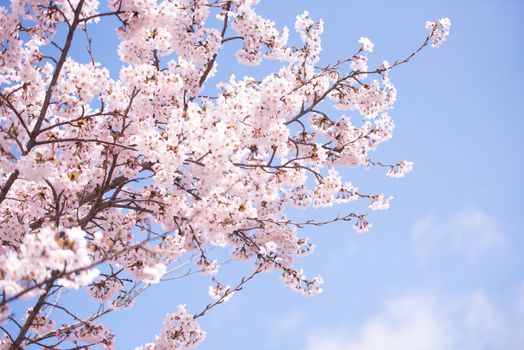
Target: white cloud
{"x":282,"y":327}
{"x":470,"y":232}
{"x":475,"y":232}
{"x":429,"y":322}
{"x":290,"y":322}
{"x":409,"y":323}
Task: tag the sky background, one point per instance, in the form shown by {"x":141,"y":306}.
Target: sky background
{"x":443,"y":268}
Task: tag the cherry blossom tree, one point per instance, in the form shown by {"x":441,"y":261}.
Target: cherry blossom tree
{"x":113,"y":185}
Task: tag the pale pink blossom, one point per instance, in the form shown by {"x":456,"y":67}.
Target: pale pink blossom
{"x":439,"y":31}
{"x":367,"y":45}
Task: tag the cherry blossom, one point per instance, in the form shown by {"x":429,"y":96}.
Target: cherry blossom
{"x":400,"y":169}
{"x":115,"y":180}
{"x":362,"y":226}
{"x":91,"y":333}
{"x":180,"y":331}
{"x":367,"y":45}
{"x":380,"y":202}
{"x":41,"y":324}
{"x":44,"y":254}
{"x":440,"y":31}
{"x":220,"y":292}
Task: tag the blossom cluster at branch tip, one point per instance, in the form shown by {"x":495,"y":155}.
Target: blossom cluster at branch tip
{"x":439,"y":31}
{"x":400,"y":169}
{"x":367,"y":45}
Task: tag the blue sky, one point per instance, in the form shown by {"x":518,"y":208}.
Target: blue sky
{"x":442,"y":269}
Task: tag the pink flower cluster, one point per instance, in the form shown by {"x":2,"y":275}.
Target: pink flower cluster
{"x":42,"y":254}
{"x":439,"y":30}
{"x":181,"y":331}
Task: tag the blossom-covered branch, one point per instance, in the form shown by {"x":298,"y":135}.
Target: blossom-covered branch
{"x":109,"y":184}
